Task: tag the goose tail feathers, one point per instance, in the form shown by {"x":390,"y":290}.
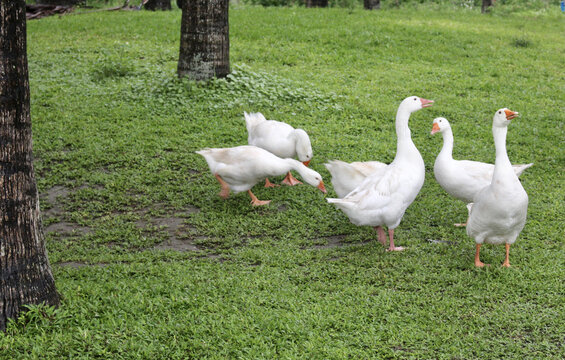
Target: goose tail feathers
{"x":519,"y":169}
{"x":252,"y":119}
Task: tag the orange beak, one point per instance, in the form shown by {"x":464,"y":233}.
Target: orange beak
{"x":322,"y":187}
{"x":426,"y":103}
{"x":435,"y":129}
{"x":510,"y":114}
{"x":306,"y":162}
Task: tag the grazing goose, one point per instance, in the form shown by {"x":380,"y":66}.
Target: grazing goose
{"x":499,"y":210}
{"x":383,"y":197}
{"x":240,"y":168}
{"x":462,"y":179}
{"x":280,"y":139}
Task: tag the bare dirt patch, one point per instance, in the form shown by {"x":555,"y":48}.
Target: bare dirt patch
{"x":64,"y":227}
{"x":53,"y":199}
{"x":180,"y":235}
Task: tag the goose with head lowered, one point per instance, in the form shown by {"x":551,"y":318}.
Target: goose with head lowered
{"x":462,"y":179}
{"x":280,"y":139}
{"x":499,"y":210}
{"x":383,"y":196}
{"x":240,"y":168}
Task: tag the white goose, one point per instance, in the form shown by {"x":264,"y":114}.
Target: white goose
{"x":383,"y":197}
{"x":240,"y":168}
{"x":462,"y":179}
{"x":280,"y":139}
{"x":499,"y":211}
{"x":347,"y":176}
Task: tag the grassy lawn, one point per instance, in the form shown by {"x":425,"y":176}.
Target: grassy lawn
{"x":151,"y":263}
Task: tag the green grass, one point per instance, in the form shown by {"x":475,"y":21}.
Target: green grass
{"x":115,"y":129}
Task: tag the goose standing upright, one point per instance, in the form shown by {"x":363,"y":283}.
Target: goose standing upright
{"x":240,"y":168}
{"x":462,"y":179}
{"x":499,"y":211}
{"x":383,"y":197}
{"x":280,"y":139}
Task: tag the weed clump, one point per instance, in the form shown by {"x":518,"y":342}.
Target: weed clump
{"x":111,"y":69}
{"x":521,"y":42}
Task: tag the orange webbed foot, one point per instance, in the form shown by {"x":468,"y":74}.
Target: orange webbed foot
{"x":291,"y":180}
{"x":255,"y":201}
{"x":269,"y":184}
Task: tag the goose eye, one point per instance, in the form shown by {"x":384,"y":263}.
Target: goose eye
{"x":500,"y":112}
{"x":415,"y":99}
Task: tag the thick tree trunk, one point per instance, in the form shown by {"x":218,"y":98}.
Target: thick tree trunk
{"x":158,"y":5}
{"x":486,"y":4}
{"x":372,"y":4}
{"x":204,"y":39}
{"x":25,"y":274}
{"x":316,"y":3}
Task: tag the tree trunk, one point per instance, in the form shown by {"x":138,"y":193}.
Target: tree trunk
{"x":486,"y":4}
{"x":25,"y":274}
{"x":372,"y":4}
{"x":204,"y":39}
{"x":158,"y":5}
{"x":316,"y":3}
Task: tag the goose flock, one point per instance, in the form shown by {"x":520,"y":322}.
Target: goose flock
{"x":376,"y":194}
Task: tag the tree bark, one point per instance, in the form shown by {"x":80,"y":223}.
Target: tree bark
{"x":485,"y":5}
{"x":158,"y":5}
{"x":316,"y":3}
{"x":372,"y":4}
{"x":204,"y":39}
{"x":25,"y":273}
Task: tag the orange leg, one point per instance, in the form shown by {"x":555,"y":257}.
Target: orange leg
{"x":381,"y":235}
{"x":290,"y":180}
{"x":478,"y":262}
{"x":391,"y":246}
{"x":506,"y":262}
{"x":461,"y":224}
{"x":269,"y":184}
{"x":255,"y":201}
{"x":225,"y":192}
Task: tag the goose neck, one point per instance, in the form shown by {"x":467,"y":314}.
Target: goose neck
{"x":502,"y":164}
{"x":293,"y":164}
{"x":447,"y":149}
{"x":402,"y":129}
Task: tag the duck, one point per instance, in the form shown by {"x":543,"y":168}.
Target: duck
{"x":383,"y":196}
{"x":280,"y":139}
{"x":462,"y":179}
{"x":499,"y":210}
{"x":239,"y":168}
{"x":347,"y":176}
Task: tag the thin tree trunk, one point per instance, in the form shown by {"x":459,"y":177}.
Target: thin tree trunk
{"x":372,"y":4}
{"x":316,"y":3}
{"x":158,"y":5}
{"x":204,"y":39}
{"x":25,"y":274}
